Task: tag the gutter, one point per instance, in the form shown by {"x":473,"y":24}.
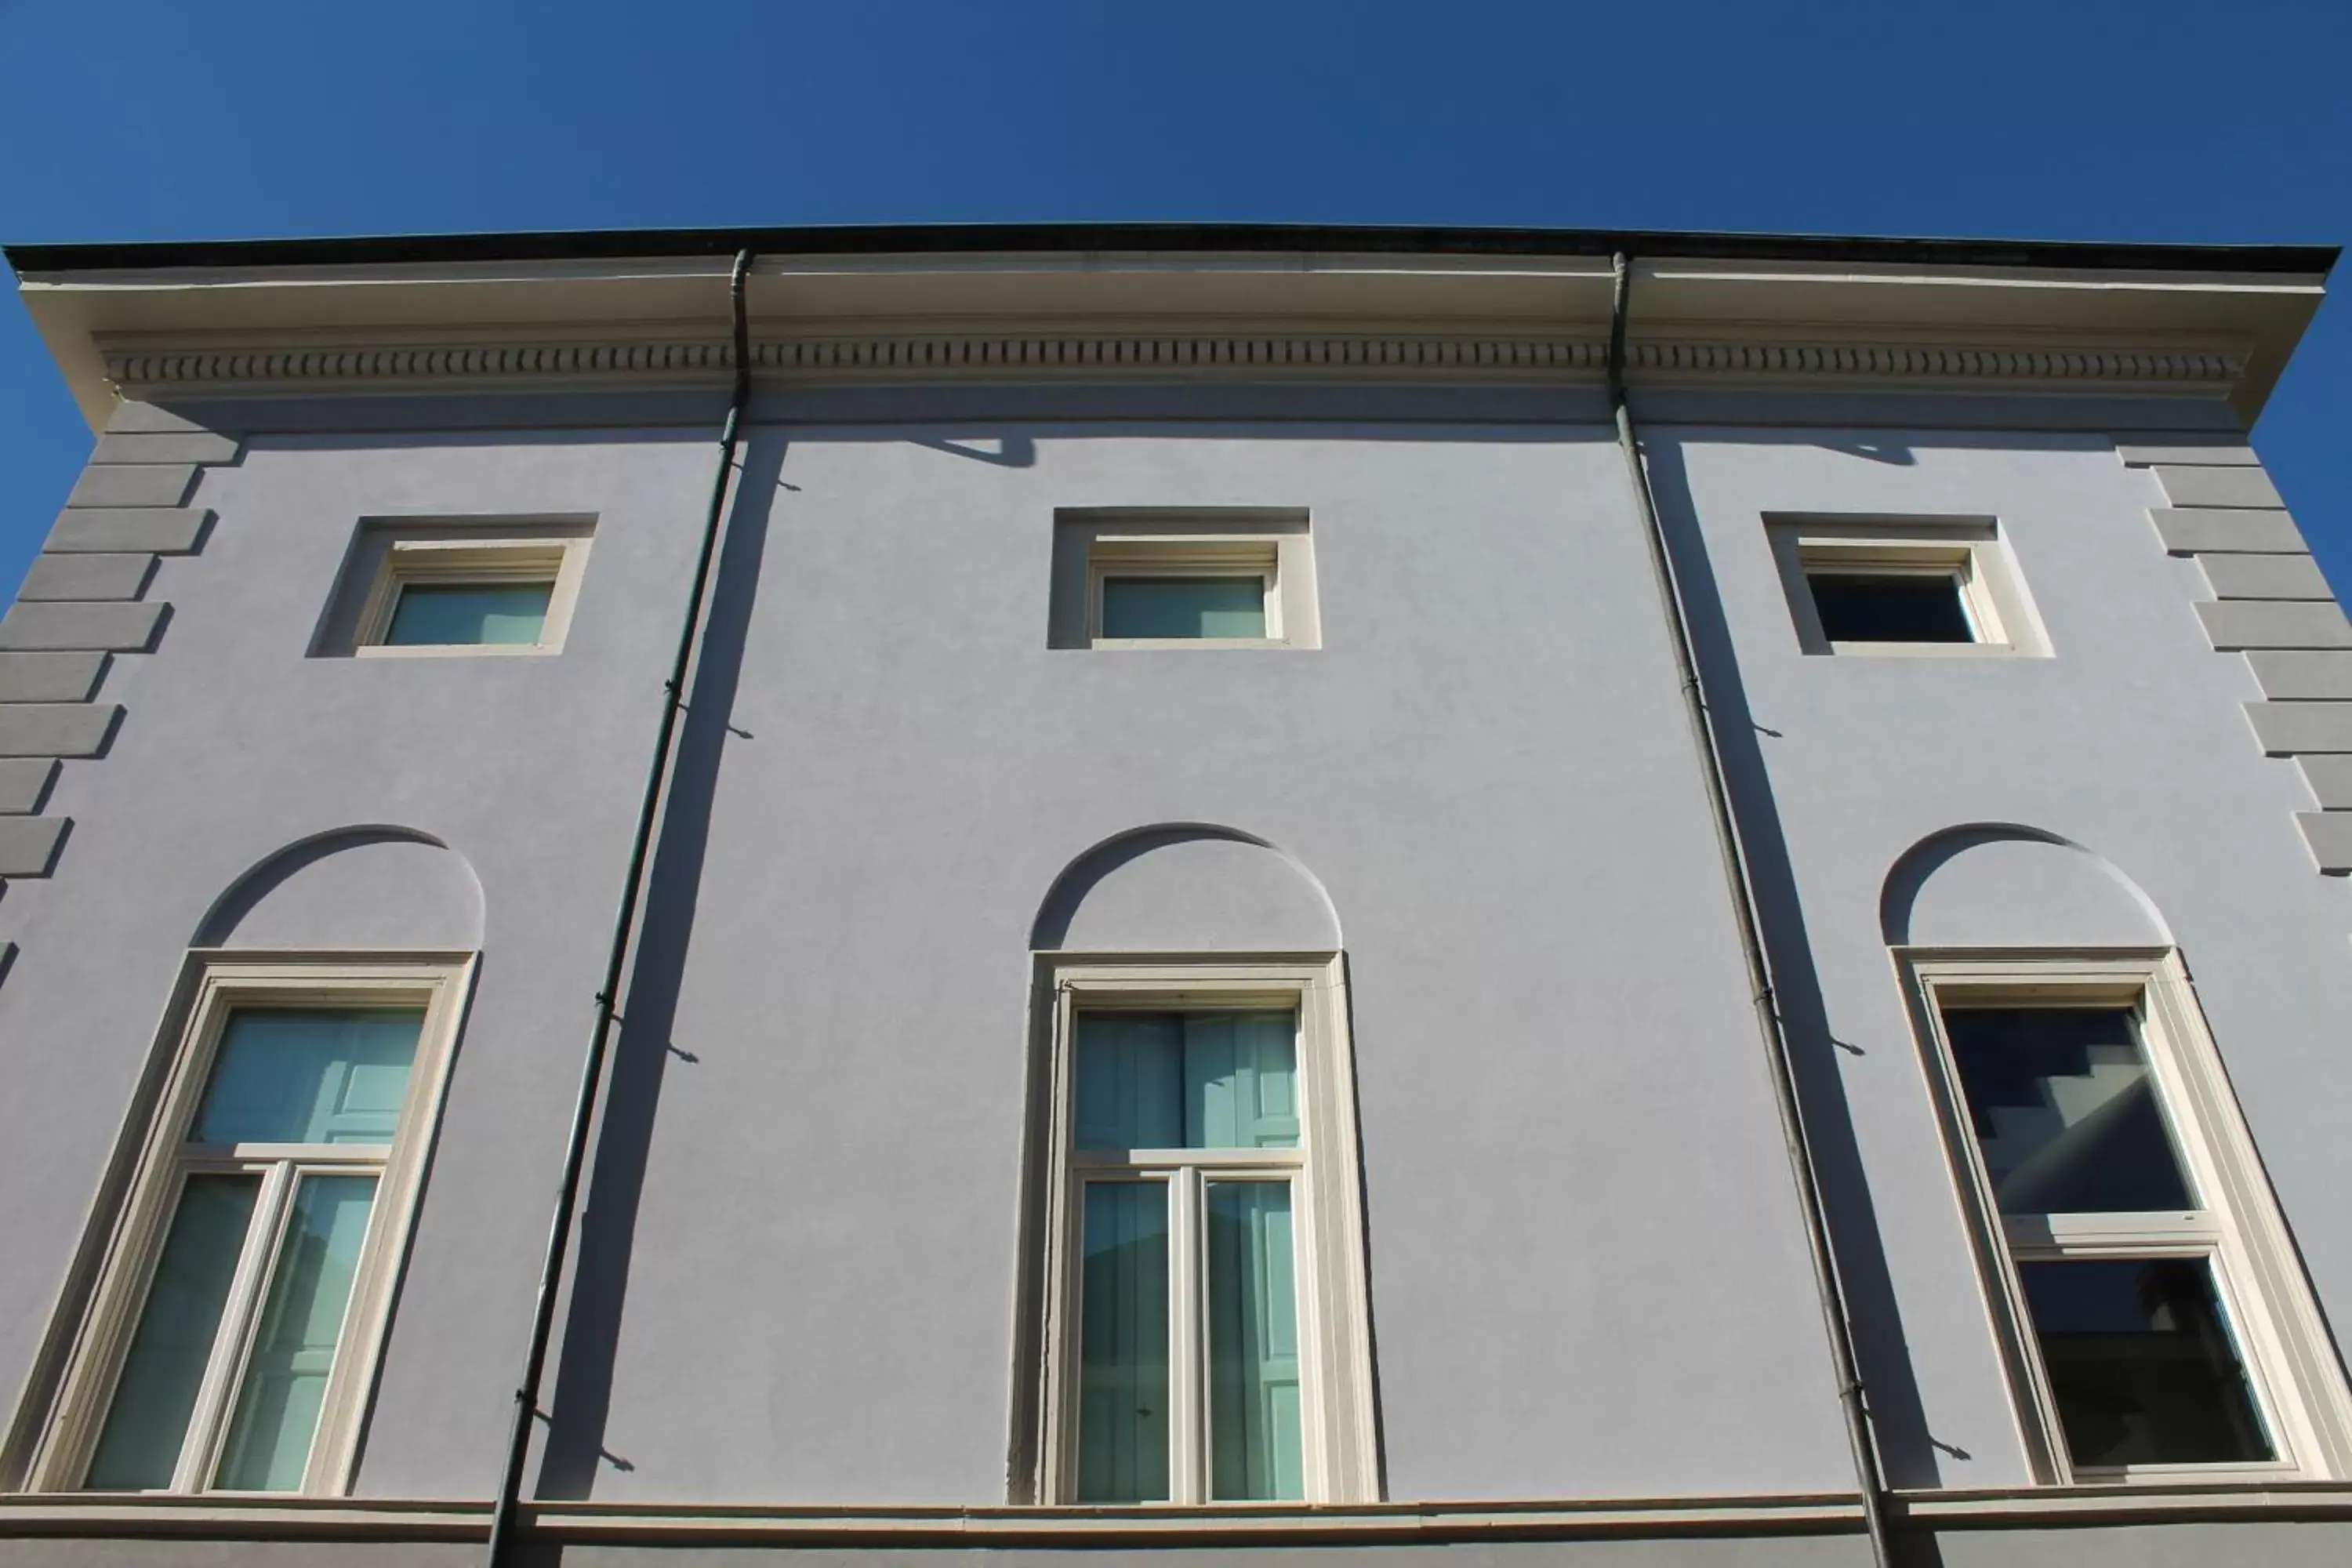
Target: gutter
{"x":1837,"y":1317}
{"x":505,"y":1521}
{"x":1176,"y":238}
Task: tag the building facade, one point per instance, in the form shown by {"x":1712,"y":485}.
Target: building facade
{"x":1255,"y":928}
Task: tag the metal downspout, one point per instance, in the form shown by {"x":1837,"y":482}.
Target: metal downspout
{"x":504,"y":1512}
{"x":1835,"y":1316}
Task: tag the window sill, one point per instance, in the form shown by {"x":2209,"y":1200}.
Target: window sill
{"x":1191,"y":642}
{"x":454,"y":650}
{"x":1921,"y":650}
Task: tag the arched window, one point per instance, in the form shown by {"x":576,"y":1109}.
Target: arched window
{"x":1202,"y":1337}
{"x":232,"y":1338}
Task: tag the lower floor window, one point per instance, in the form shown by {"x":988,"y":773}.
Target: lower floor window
{"x":2160,"y":1323}
{"x":231,"y":1343}
{"x":1208,"y":1196}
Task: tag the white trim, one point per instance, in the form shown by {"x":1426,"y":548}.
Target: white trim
{"x":1970,"y":551}
{"x":1273,"y":543}
{"x":558,"y":563}
{"x":1159,"y":557}
{"x":2297,"y":1385}
{"x":435,"y":982}
{"x":1339,"y":1438}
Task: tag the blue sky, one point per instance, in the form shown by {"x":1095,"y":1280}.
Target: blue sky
{"x":2061,"y":119}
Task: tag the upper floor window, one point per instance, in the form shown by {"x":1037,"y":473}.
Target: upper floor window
{"x":513,"y":595}
{"x":423,"y":587}
{"x":2160,"y":1323}
{"x":231,"y":1343}
{"x":1199,"y":577}
{"x":1901,"y":586}
{"x":1205,"y":1261}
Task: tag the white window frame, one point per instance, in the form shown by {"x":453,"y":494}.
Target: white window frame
{"x":1969,"y":553}
{"x":559,"y":563}
{"x":1271,"y":543}
{"x":1164,"y":556}
{"x":1338,"y":1440}
{"x":2296,"y":1382}
{"x":437,"y":983}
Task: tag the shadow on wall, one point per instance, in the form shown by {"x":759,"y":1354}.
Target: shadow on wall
{"x":590,"y":1334}
{"x":362,"y":887}
{"x":2003,"y":885}
{"x":1185,"y":887}
{"x":1005,"y":451}
{"x":1910,"y":1455}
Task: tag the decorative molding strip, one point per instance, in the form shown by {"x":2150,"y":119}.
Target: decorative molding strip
{"x":1938,"y":363}
{"x":1271,"y":354}
{"x":91,"y":1517}
{"x":952,"y":1529}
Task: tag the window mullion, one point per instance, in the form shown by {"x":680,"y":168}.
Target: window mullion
{"x":218,"y":1392}
{"x":1187,"y":1373}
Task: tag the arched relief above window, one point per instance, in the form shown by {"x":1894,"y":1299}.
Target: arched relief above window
{"x":374,"y":888}
{"x":1185,"y":887}
{"x":1999,"y":885}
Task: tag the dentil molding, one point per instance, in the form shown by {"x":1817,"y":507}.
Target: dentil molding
{"x":1213,"y":354}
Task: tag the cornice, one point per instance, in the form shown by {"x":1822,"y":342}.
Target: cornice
{"x":1230,"y":355}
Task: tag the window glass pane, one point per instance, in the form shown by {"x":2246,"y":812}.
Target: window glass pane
{"x":1184,"y":606}
{"x":2065,"y":1107}
{"x":139,"y":1447}
{"x":2141,"y":1363}
{"x":445,"y":614}
{"x":1254,"y":1452}
{"x":301,"y":1320}
{"x":1188,"y":1081}
{"x":1895,"y":607}
{"x":1123,"y":1344}
{"x":301,"y":1077}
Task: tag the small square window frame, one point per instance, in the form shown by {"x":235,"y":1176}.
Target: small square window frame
{"x":1272,"y":543}
{"x":1338,"y":1430}
{"x":560,"y":561}
{"x":2293,"y":1376}
{"x":217,"y":984}
{"x":1158,"y":557}
{"x":1970,"y":552}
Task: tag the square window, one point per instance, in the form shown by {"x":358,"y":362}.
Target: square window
{"x":1901,"y":586}
{"x":2158,"y":1322}
{"x":460,"y":588}
{"x":1204,"y":1333}
{"x":1203,"y":578}
{"x":231,"y":1343}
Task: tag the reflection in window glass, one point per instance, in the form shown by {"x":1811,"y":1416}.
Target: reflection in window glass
{"x":2141,"y":1363}
{"x":2063,"y":1103}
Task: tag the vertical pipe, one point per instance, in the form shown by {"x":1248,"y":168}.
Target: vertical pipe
{"x":504,"y":1510}
{"x":1836,"y":1318}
